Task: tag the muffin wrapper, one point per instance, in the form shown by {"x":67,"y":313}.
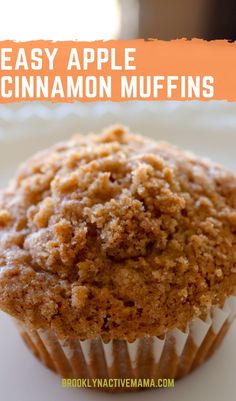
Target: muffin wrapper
{"x":150,"y":357}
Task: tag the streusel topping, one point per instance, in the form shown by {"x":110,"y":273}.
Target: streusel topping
{"x":116,"y":235}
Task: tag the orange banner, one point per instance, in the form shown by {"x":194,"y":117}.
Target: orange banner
{"x":117,"y":70}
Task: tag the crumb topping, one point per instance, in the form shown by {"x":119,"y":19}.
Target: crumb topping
{"x":116,"y":235}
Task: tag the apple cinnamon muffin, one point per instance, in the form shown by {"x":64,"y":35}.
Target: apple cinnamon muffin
{"x":116,"y":251}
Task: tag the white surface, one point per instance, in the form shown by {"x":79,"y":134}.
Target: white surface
{"x":207,"y":128}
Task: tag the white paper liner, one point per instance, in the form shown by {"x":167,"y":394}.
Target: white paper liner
{"x":173,"y":356}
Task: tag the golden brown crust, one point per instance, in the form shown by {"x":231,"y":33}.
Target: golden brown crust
{"x":116,"y":235}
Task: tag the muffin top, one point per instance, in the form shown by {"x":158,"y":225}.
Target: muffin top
{"x":116,"y":235}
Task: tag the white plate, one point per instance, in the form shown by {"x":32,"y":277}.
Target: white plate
{"x":207,"y":128}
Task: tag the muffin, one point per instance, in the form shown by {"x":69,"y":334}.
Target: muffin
{"x":118,"y":256}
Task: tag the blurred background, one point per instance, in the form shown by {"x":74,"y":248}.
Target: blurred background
{"x":118,"y":19}
{"x":208,"y":128}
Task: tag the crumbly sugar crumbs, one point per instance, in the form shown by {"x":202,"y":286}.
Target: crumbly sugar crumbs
{"x":116,"y":235}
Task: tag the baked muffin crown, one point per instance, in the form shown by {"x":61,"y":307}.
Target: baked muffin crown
{"x":116,"y":235}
